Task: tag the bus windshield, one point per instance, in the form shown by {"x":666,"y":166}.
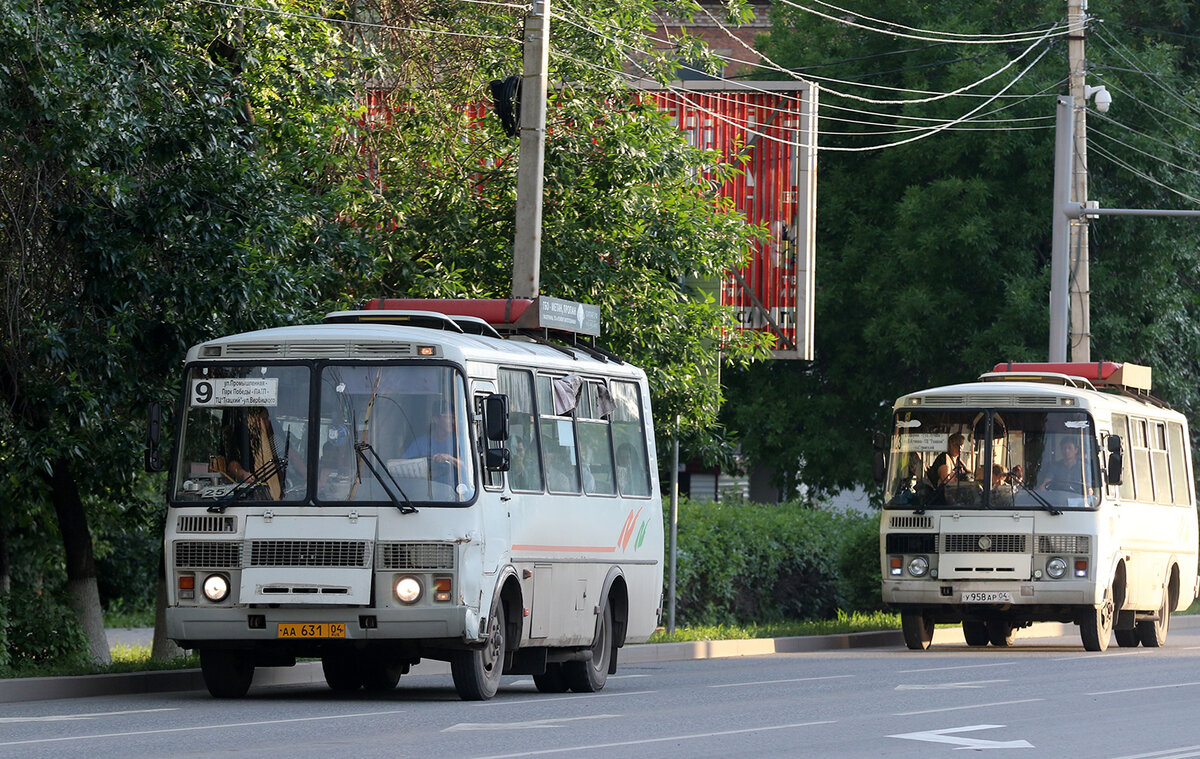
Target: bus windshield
{"x":993,"y":459}
{"x":381,"y":433}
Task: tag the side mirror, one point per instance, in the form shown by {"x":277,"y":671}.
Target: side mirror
{"x":878,"y":461}
{"x":496,"y":459}
{"x":1115,"y":462}
{"x":495,"y":417}
{"x":153,"y":461}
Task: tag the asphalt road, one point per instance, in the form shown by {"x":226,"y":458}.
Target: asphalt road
{"x":1043,"y":697}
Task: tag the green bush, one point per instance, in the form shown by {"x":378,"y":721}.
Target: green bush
{"x":42,"y":630}
{"x":742,"y":562}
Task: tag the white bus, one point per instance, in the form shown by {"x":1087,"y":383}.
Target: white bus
{"x":397,"y":484}
{"x":1043,"y":492}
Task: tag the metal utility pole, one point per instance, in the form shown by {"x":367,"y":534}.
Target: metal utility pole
{"x":1080,"y":339}
{"x":527,"y":244}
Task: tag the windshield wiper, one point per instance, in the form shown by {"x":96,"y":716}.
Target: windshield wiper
{"x":266,"y":470}
{"x":403,"y":503}
{"x":1039,"y":498}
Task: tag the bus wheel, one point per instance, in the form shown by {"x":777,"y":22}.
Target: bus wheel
{"x":477,"y":671}
{"x":1095,"y":625}
{"x":975,"y":633}
{"x":341,"y":672}
{"x":999,"y":632}
{"x":379,"y":674}
{"x":554,"y":680}
{"x":590,"y":675}
{"x":1127,"y":638}
{"x":227,"y":674}
{"x":1154,"y":633}
{"x":917,"y":628}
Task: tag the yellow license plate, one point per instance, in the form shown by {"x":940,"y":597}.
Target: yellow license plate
{"x":312,"y":630}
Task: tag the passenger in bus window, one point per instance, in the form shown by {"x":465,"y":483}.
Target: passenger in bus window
{"x":440,"y":446}
{"x":249,"y":446}
{"x":949,"y":464}
{"x":524,"y":472}
{"x":1066,"y":473}
{"x":337,"y":464}
{"x":1016,"y":475}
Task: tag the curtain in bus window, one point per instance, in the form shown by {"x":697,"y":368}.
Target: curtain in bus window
{"x":1181,"y":487}
{"x":629,"y":440}
{"x":566,"y":394}
{"x":525,"y":465}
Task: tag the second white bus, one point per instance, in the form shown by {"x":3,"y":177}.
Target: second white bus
{"x":1042,"y":492}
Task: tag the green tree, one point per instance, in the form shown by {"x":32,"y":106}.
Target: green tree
{"x":625,"y":220}
{"x":157,"y":165}
{"x":933,"y":256}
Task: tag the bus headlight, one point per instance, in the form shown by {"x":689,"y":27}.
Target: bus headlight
{"x":1056,"y":567}
{"x":918,"y":566}
{"x":408,"y":589}
{"x":216,"y":588}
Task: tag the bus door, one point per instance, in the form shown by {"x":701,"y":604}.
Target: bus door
{"x":493,"y":509}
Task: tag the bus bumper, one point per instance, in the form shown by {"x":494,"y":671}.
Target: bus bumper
{"x":1030,"y":601}
{"x":193,"y":627}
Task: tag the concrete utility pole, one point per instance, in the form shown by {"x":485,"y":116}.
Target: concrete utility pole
{"x":527,"y":244}
{"x":1080,"y":340}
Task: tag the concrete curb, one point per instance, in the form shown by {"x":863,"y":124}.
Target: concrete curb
{"x":45,"y":688}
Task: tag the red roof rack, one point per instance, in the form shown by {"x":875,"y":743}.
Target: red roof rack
{"x":1099,"y":373}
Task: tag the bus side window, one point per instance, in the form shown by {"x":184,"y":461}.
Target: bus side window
{"x":1121,"y":427}
{"x":629,"y":440}
{"x":1143,"y":484}
{"x":1158,"y":461}
{"x":595,"y":439}
{"x":1181,"y":483}
{"x":525,"y":463}
{"x":558,"y":441}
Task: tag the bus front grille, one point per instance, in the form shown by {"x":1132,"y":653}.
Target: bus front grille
{"x":208,"y":554}
{"x":983,"y":543}
{"x":1077,"y":544}
{"x":310,"y":553}
{"x":413,"y":556}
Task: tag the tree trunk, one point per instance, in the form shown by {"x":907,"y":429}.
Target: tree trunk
{"x":5,"y":563}
{"x":162,"y":649}
{"x":81,"y":565}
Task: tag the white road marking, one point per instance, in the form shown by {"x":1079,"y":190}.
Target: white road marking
{"x":971,"y":706}
{"x":529,"y":681}
{"x":225,"y":726}
{"x":532,"y":724}
{"x":692,"y":736}
{"x":1146,"y":687}
{"x":564,"y":697}
{"x":1170,"y":753}
{"x":950,"y":686}
{"x":947,"y":736}
{"x":944,"y":669}
{"x":85,"y":715}
{"x":773,"y":682}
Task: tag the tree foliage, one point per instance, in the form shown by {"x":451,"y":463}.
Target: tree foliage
{"x":940,"y":268}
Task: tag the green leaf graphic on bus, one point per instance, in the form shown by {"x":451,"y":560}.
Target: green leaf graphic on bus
{"x":627,"y":530}
{"x":641,"y":536}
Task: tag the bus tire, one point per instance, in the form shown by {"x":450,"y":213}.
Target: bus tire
{"x":1000,"y":633}
{"x":227,"y":674}
{"x":553,"y":680}
{"x":1127,"y":638}
{"x":1153,"y":633}
{"x":589,"y":675}
{"x":1095,"y":624}
{"x":341,"y":672}
{"x":975,"y":633}
{"x":379,"y":674}
{"x":917,"y":629}
{"x":477,"y":671}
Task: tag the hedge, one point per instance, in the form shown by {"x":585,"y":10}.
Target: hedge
{"x":743,"y":562}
